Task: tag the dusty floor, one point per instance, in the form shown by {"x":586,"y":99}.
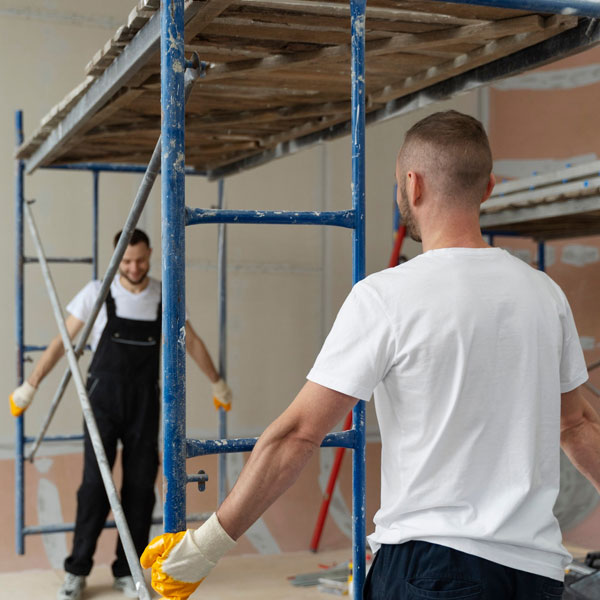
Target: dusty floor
{"x":251,"y":577}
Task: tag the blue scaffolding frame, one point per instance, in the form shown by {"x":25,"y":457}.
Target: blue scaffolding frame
{"x":170,"y":26}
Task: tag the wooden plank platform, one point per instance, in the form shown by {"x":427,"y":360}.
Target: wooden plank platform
{"x":562,"y":204}
{"x":279,"y":70}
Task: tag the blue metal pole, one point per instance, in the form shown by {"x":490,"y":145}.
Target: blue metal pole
{"x":222,"y":285}
{"x":96,"y":177}
{"x":173,"y":262}
{"x":19,"y":315}
{"x":541,"y":256}
{"x":357,"y":12}
{"x":343,"y":218}
{"x":584,"y":8}
{"x":112,"y":168}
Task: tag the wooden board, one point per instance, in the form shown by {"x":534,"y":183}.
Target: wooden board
{"x":279,"y":70}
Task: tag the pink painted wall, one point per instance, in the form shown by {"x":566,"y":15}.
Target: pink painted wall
{"x":290,"y":520}
{"x":558,"y":124}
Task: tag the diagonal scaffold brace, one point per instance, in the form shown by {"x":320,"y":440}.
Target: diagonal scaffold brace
{"x":88,"y":415}
{"x":191,"y":74}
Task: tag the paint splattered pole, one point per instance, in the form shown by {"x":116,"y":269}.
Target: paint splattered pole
{"x":19,"y":421}
{"x":357,"y":12}
{"x":173,"y":262}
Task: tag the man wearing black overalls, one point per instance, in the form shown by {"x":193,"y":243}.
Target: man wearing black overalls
{"x":123,"y":389}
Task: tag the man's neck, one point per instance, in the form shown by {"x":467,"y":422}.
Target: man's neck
{"x":457,"y":229}
{"x":134,"y":288}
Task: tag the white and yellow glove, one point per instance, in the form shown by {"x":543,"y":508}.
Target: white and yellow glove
{"x":180,"y":561}
{"x":222,"y":395}
{"x":21,"y":398}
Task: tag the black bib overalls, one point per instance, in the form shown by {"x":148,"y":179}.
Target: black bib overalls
{"x":123,"y":390}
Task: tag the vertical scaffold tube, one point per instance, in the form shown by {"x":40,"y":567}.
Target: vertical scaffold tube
{"x":173,"y":262}
{"x":541,"y":256}
{"x":19,"y":288}
{"x":357,"y":9}
{"x":96,"y":177}
{"x":222,"y":286}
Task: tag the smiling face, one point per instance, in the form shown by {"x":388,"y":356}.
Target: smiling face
{"x":135,"y":264}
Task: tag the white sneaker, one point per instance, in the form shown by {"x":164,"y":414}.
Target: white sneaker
{"x":72,"y":587}
{"x":126,"y":585}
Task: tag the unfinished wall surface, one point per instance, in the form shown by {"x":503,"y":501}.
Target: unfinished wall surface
{"x":541,"y":121}
{"x":285,"y":285}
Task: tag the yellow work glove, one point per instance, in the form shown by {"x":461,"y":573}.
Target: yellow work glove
{"x":180,"y":561}
{"x":21,"y":398}
{"x":222,"y":395}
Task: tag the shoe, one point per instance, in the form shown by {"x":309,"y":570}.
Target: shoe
{"x":72,"y":587}
{"x":126,"y":585}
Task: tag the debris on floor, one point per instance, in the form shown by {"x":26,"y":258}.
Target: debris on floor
{"x":337,"y":573}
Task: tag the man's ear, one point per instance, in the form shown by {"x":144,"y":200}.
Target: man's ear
{"x":414,"y":187}
{"x":489,"y":189}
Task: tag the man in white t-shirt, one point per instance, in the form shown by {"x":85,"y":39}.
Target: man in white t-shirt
{"x":123,"y":389}
{"x":476,"y":367}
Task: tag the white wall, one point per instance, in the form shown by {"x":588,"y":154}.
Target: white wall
{"x":285,"y":283}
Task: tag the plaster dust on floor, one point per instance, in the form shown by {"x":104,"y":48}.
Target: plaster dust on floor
{"x":248,"y":577}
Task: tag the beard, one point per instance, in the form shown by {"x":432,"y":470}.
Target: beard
{"x":408,"y":219}
{"x":137,"y":281}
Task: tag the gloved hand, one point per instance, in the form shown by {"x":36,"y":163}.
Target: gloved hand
{"x":21,"y":398}
{"x":180,"y":561}
{"x":222,"y":395}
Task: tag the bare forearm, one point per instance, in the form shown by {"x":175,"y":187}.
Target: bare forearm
{"x":197,"y":350}
{"x":273,"y":466}
{"x":582,"y":445}
{"x":47,"y":361}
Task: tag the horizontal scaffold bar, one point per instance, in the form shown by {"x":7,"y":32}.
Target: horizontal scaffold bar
{"x":42,"y":348}
{"x":113,"y":168}
{"x":341,"y":439}
{"x":66,"y":527}
{"x":60,"y":259}
{"x":195,"y":216}
{"x":56,"y":438}
{"x":585,"y":8}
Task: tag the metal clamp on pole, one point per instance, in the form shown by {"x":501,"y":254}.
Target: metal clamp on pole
{"x":90,"y":421}
{"x":139,"y":203}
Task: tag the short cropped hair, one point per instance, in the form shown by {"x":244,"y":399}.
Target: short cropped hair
{"x":136,"y":237}
{"x":458,"y":150}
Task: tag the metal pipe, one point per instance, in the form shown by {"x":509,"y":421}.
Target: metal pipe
{"x":67,"y":527}
{"x":95,"y":179}
{"x":19,"y":326}
{"x":593,"y":365}
{"x":137,"y":207}
{"x":57,"y":438}
{"x":222,"y":287}
{"x":592,"y":388}
{"x":173,"y":262}
{"x":112,"y":168}
{"x":541,"y":248}
{"x":345,"y":218}
{"x":60,"y":259}
{"x":584,"y":8}
{"x":90,"y":421}
{"x":357,"y":12}
{"x":340,"y":439}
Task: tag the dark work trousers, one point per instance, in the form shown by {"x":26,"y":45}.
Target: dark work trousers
{"x":123,"y":390}
{"x":423,"y":571}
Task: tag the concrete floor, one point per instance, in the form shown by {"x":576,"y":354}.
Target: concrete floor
{"x":251,"y":577}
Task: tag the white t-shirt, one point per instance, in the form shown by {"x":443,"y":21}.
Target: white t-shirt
{"x":140,"y":307}
{"x":468,"y":351}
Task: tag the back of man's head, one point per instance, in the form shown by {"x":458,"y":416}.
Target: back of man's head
{"x":452,"y":151}
{"x":137,"y":237}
